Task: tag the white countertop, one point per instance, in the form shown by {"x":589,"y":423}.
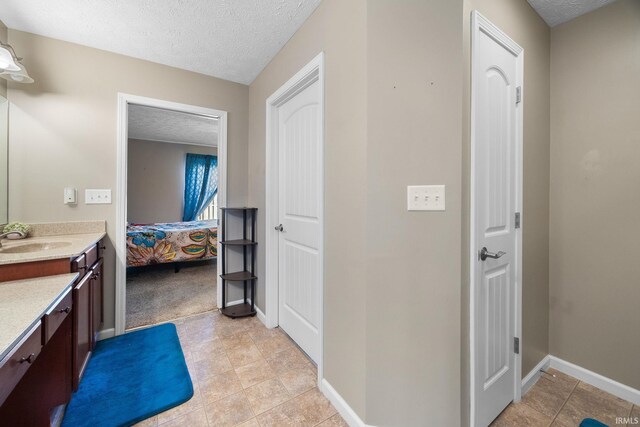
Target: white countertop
{"x":24,"y":302}
{"x":72,"y":245}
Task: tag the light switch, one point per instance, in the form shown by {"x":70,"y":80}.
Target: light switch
{"x":97,"y":197}
{"x":70,"y":196}
{"x":426,"y":198}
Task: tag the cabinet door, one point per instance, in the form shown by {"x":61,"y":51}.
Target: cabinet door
{"x":81,"y":327}
{"x":97,"y":311}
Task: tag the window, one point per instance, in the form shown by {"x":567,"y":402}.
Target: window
{"x":211,"y":211}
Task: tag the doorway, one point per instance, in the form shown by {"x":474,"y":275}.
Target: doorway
{"x":496,"y":234}
{"x":294,"y":209}
{"x":172,"y":248}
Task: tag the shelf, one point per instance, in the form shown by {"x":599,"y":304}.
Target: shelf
{"x":238,"y":276}
{"x":231,"y":242}
{"x":238,"y":310}
{"x":239,"y":242}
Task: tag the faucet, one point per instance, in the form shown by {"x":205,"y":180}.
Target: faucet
{"x":19,"y":233}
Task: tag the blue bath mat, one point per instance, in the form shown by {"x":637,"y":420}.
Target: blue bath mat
{"x":130,"y":378}
{"x":590,"y":422}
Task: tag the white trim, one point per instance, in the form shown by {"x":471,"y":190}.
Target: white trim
{"x":620,"y":390}
{"x":121,"y":196}
{"x":480,"y":23}
{"x":261,"y":316}
{"x":346,"y":412}
{"x":310,"y":73}
{"x":106,"y":333}
{"x":198,"y":144}
{"x":533,"y":376}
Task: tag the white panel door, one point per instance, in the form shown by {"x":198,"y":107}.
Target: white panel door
{"x":496,"y":187}
{"x":300,"y":214}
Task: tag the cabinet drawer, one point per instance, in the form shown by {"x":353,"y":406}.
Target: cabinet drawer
{"x":55,"y":316}
{"x":17,"y":362}
{"x":91,"y":256}
{"x":79,"y":265}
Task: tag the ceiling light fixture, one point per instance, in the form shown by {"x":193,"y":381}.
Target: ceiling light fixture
{"x":10,"y":66}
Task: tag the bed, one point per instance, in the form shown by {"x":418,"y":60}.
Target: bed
{"x":174,"y":242}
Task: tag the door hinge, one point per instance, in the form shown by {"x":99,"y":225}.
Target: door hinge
{"x":517,"y":220}
{"x":518,"y":94}
{"x":516,"y":345}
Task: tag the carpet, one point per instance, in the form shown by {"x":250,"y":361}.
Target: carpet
{"x":157,"y":294}
{"x":130,"y":378}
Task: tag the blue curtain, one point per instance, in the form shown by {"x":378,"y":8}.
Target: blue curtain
{"x":200,"y":184}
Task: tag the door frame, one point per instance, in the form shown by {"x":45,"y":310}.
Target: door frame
{"x":309,"y":74}
{"x":481,"y":24}
{"x":121,"y":195}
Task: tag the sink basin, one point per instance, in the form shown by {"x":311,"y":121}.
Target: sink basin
{"x":33,"y":247}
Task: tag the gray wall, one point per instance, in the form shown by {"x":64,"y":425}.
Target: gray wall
{"x":414,"y":111}
{"x":3,"y":38}
{"x":595,"y":196}
{"x":337,"y":27}
{"x":525,"y":27}
{"x":63,"y":129}
{"x":394,"y":364}
{"x":155,"y":180}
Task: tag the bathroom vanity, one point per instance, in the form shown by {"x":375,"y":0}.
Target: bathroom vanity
{"x":51,"y":311}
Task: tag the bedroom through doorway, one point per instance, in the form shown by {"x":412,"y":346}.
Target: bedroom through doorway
{"x":172,"y":205}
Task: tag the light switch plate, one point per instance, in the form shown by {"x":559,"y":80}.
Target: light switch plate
{"x":97,"y":197}
{"x":426,"y":198}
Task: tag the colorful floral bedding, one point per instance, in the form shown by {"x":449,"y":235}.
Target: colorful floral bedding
{"x":160,"y":243}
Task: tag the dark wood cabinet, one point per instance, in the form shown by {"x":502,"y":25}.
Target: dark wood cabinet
{"x":37,"y":374}
{"x":17,"y":362}
{"x":41,"y":372}
{"x":45,"y":384}
{"x":97,"y":309}
{"x":89,"y":313}
{"x":82,"y":339}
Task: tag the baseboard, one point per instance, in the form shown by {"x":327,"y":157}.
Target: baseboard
{"x":106,"y":333}
{"x":603,"y":383}
{"x":533,"y":376}
{"x":261,"y":316}
{"x":347,"y":413}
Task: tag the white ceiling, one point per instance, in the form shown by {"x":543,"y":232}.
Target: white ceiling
{"x":556,"y":12}
{"x":230,"y":39}
{"x":157,"y":124}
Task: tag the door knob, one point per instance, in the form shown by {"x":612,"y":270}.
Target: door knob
{"x":279,"y":227}
{"x":484,"y":254}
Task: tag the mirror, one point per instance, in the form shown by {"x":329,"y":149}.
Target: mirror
{"x":4,"y":160}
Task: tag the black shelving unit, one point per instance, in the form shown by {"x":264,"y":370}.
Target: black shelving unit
{"x":247,"y":275}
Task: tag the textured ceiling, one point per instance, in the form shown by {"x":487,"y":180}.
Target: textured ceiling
{"x":157,"y":124}
{"x":230,"y":39}
{"x":556,"y":12}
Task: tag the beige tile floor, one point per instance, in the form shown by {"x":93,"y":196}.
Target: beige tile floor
{"x":245,"y":374}
{"x":564,"y":401}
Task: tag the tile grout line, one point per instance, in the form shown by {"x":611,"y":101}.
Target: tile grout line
{"x":565,"y":402}
{"x":255,"y":416}
{"x":536,"y":410}
{"x":263,"y":358}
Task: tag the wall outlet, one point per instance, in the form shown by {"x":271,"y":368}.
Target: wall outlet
{"x":426,"y":198}
{"x":97,"y":197}
{"x":70,"y":196}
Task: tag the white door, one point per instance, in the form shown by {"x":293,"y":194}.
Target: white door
{"x":300,"y":216}
{"x":496,"y":200}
